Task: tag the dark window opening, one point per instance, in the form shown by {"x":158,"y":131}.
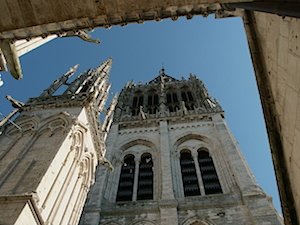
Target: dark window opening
{"x":183,"y":96}
{"x":190,"y":96}
{"x":189,"y":174}
{"x":175,"y":99}
{"x":136,"y":103}
{"x":208,"y":172}
{"x":149,"y":100}
{"x":125,"y":189}
{"x":172,"y":102}
{"x":155,"y":99}
{"x":152,"y":103}
{"x":145,"y":184}
{"x":188,"y":99}
{"x":141,"y":101}
{"x":169,"y":98}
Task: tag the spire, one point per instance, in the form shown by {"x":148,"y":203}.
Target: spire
{"x":59,"y":82}
{"x":91,"y":80}
{"x":109,"y":116}
{"x":105,"y":66}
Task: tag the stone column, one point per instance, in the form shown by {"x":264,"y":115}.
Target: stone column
{"x":167,"y":185}
{"x":200,"y":181}
{"x":113,"y":183}
{"x":136,"y":179}
{"x":178,"y":177}
{"x":168,"y":214}
{"x":155,"y":178}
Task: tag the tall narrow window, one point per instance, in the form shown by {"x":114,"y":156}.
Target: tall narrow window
{"x":145,"y":184}
{"x":125,"y":189}
{"x":208,"y":172}
{"x":152,"y":106}
{"x":172,"y":102}
{"x":187,"y":97}
{"x":138,"y":100}
{"x":189,"y":175}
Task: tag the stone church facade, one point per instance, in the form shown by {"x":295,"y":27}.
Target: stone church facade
{"x":49,"y":154}
{"x":175,"y":162}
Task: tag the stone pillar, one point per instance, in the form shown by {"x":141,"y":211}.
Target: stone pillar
{"x":178,"y":187}
{"x":136,"y":179}
{"x":167,"y":185}
{"x":168,"y":215}
{"x":113,"y":182}
{"x":200,"y":181}
{"x":168,"y":205}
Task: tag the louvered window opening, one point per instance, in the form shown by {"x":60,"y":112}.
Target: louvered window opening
{"x":189,"y":175}
{"x":145,"y":182}
{"x":188,"y":99}
{"x":136,"y":103}
{"x":125,"y":189}
{"x":172,"y":102}
{"x":208,"y":172}
{"x":152,"y":105}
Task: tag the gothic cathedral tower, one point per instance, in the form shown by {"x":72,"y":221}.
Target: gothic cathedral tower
{"x":48,"y":155}
{"x":175,"y":162}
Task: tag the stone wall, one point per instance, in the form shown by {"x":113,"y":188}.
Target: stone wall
{"x":275,"y":47}
{"x":242,"y":201}
{"x":46,"y":167}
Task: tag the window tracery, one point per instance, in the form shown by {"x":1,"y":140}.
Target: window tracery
{"x":198,"y":172}
{"x":136,"y":178}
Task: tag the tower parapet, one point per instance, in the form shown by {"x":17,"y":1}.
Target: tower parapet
{"x":165,"y":97}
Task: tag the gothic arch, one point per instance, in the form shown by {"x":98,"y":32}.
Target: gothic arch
{"x":13,"y":136}
{"x":192,"y":136}
{"x":87,"y":169}
{"x":150,"y":149}
{"x":196,"y":221}
{"x":77,"y":144}
{"x":58,"y":121}
{"x":143,"y":222}
{"x":211,"y":146}
{"x":110,"y":223}
{"x":204,"y":142}
{"x":26,"y":123}
{"x":139,"y":141}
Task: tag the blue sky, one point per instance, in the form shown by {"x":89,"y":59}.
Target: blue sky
{"x":215,"y":50}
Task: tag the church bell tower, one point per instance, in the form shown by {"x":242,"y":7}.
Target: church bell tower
{"x":175,"y":162}
{"x":49,"y":154}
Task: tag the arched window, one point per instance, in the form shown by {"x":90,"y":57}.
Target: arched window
{"x":208,"y":172}
{"x":189,"y":174}
{"x":187,"y":97}
{"x":138,"y":100}
{"x":152,"y":106}
{"x":172,"y":101}
{"x":125,"y":189}
{"x":145,"y":184}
